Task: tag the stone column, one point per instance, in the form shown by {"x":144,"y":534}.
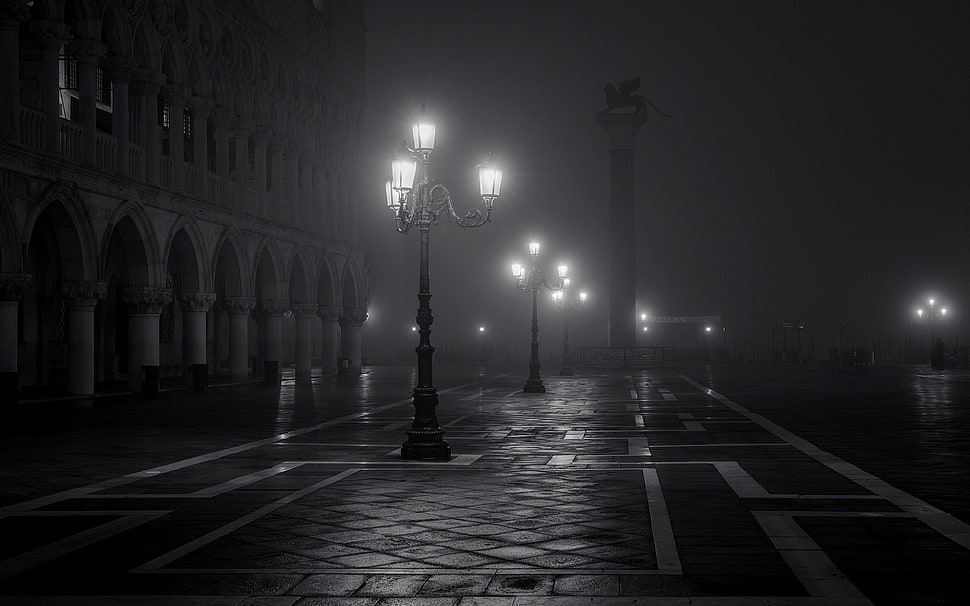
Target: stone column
{"x":260,"y":138}
{"x":175,"y":96}
{"x":292,"y":184}
{"x":350,"y":343}
{"x":50,"y":36}
{"x":276,"y":196}
{"x":621,"y":130}
{"x":11,"y":15}
{"x":271,"y":334}
{"x":88,"y":53}
{"x":305,"y":314}
{"x":221,"y":119}
{"x":238,"y":309}
{"x":119,"y":70}
{"x":146,"y":304}
{"x":307,"y":214}
{"x":195,"y":307}
{"x":330,"y":317}
{"x":243,"y":130}
{"x":146,"y":89}
{"x":12,"y":289}
{"x":201,"y":108}
{"x":319,"y":200}
{"x":82,"y":299}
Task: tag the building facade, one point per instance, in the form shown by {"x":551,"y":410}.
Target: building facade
{"x":177,"y":190}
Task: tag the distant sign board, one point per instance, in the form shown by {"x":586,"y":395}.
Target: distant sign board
{"x":792,"y":325}
{"x":684,"y":319}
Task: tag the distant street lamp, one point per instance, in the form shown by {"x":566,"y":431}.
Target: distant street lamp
{"x":421,"y":203}
{"x":531,"y":280}
{"x":933,"y":315}
{"x":565,"y":299}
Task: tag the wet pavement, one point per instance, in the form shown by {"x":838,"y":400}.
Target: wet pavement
{"x":712,"y":485}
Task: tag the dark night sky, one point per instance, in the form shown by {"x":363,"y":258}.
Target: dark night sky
{"x":815,"y":168}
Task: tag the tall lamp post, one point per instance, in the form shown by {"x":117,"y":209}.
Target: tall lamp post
{"x":416,"y":200}
{"x":531,"y":280}
{"x":564,"y":300}
{"x":932,"y":316}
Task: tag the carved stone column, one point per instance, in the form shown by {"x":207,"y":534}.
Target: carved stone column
{"x":11,"y":15}
{"x":119,"y":70}
{"x":195,"y":307}
{"x":305,"y":314}
{"x":350,"y":343}
{"x":88,"y":53}
{"x":82,"y":299}
{"x":221,"y":120}
{"x":260,"y":138}
{"x":201,"y":108}
{"x":292,"y":184}
{"x":146,"y":88}
{"x":318,"y":201}
{"x":50,"y":36}
{"x":271,"y":335}
{"x":277,"y":198}
{"x":12,"y":289}
{"x":238,"y":309}
{"x":330,"y":317}
{"x":146,"y":304}
{"x":243,"y":130}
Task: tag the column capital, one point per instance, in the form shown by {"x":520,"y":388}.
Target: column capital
{"x":146,"y":299}
{"x":197,"y":301}
{"x":329,"y":312}
{"x":304,"y":311}
{"x":262,"y":134}
{"x":222,"y":116}
{"x":119,"y":69}
{"x":13,"y":286}
{"x":353,"y":318}
{"x":621,"y":128}
{"x":243,"y":126}
{"x":272,"y":308}
{"x":86,"y":50}
{"x":238,"y":306}
{"x":278,"y":142}
{"x":12,"y":12}
{"x":84,"y":294}
{"x":146,"y":81}
{"x":50,"y":34}
{"x":176,"y":93}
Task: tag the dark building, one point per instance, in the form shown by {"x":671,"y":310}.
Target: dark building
{"x":177,"y":190}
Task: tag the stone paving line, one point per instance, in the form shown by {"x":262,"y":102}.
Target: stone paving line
{"x":609,"y":489}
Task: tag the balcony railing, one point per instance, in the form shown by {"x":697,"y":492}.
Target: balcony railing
{"x":105,"y":151}
{"x":165,"y":171}
{"x":31,"y":128}
{"x":69,"y":142}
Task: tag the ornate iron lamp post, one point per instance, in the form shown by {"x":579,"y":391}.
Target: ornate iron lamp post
{"x":565,"y":300}
{"x":421,"y":204}
{"x":532,"y":280}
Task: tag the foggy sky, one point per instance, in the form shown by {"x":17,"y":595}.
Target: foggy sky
{"x":815,"y":167}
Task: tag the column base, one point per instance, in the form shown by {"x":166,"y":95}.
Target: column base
{"x":200,"y":377}
{"x":10,"y":386}
{"x":150,"y":380}
{"x":271,"y":372}
{"x":534,"y":386}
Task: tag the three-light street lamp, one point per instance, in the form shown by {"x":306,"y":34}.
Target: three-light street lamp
{"x":564,"y":300}
{"x":932,"y":315}
{"x":531,"y":279}
{"x":416,"y":200}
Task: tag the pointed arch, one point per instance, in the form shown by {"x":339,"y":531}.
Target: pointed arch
{"x":73,"y":225}
{"x":230,"y":272}
{"x":116,"y":31}
{"x":149,"y":270}
{"x":268,"y":271}
{"x":300,"y":281}
{"x":185,"y":241}
{"x":11,"y":247}
{"x":173,"y":62}
{"x":327,"y":282}
{"x":350,"y":291}
{"x":146,"y":49}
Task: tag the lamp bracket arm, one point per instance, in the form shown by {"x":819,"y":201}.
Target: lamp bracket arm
{"x":441,"y":202}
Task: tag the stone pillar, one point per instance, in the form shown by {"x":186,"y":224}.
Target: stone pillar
{"x":260,"y":138}
{"x":238,"y":309}
{"x":146,"y":304}
{"x":292,"y":184}
{"x":350,"y":343}
{"x":12,"y":289}
{"x":277,"y":197}
{"x":50,"y":36}
{"x":271,"y":334}
{"x":175,"y":96}
{"x":306,"y":216}
{"x":82,"y":299}
{"x":305,"y":315}
{"x":11,"y":15}
{"x":146,"y":89}
{"x":88,"y":53}
{"x":621,"y":130}
{"x":221,"y":119}
{"x":201,"y":108}
{"x":330,"y":317}
{"x":243,"y":129}
{"x":119,"y":70}
{"x":195,"y":307}
{"x":319,"y":200}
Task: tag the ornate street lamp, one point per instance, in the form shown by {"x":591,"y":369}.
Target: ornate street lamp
{"x":416,"y":200}
{"x":564,"y":300}
{"x":531,"y":280}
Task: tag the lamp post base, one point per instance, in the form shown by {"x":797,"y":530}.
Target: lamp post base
{"x":424,"y":447}
{"x":534,"y":386}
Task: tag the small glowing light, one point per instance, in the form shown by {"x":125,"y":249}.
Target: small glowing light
{"x":643,"y":317}
{"x":942,"y":311}
{"x":919,"y":313}
{"x":646,"y":328}
{"x":534,"y":249}
{"x":414,"y":329}
{"x":557,"y":296}
{"x":582,"y":297}
{"x":563,"y":269}
{"x":707,"y":329}
{"x":481,"y":329}
{"x":565,"y":282}
{"x":932,"y":302}
{"x":516,"y":270}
